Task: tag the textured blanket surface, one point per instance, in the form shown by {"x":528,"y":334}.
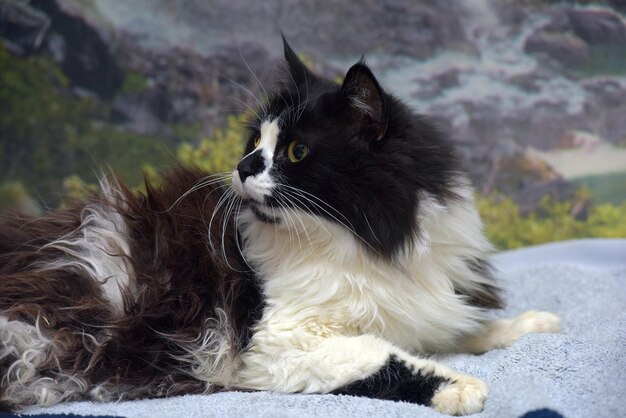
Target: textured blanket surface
{"x":580,"y":372}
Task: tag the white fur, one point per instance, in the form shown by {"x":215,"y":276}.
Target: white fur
{"x":463,"y":396}
{"x":260,"y":185}
{"x":99,"y":248}
{"x":269,"y":138}
{"x":30,"y":349}
{"x":210,"y":357}
{"x":503,"y":333}
{"x":334,"y":313}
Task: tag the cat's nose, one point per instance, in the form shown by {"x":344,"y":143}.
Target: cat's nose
{"x":252,"y":164}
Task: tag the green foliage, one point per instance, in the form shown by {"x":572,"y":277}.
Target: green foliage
{"x":220,"y":153}
{"x":37,"y":120}
{"x":507,"y":228}
{"x":75,"y":188}
{"x":15,"y":198}
{"x":123,"y":153}
{"x":606,"y":188}
{"x":48,"y":134}
{"x":133,"y":82}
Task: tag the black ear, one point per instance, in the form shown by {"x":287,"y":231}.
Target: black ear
{"x":300,"y":73}
{"x":368,"y":99}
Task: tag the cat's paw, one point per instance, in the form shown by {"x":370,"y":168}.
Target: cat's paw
{"x":537,"y":321}
{"x":463,"y":395}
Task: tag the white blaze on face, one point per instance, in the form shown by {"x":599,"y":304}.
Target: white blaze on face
{"x":259,"y":185}
{"x":269,"y":139}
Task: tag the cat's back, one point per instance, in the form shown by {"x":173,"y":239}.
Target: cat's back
{"x":158,"y":235}
{"x":121,"y":291}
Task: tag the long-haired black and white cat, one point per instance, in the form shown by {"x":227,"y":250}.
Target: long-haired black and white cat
{"x":354,"y":247}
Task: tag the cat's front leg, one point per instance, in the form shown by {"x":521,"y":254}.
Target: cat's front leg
{"x":362,"y":366}
{"x":502,"y":333}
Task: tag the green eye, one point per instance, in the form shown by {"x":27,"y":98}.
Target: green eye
{"x":297,"y":151}
{"x":257,"y":141}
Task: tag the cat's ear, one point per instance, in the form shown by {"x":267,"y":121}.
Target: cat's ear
{"x":366,"y":97}
{"x":299,"y":72}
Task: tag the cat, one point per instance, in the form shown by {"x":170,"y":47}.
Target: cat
{"x":346,"y":246}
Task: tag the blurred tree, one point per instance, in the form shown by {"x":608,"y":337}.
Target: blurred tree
{"x":219,"y":153}
{"x":15,"y":198}
{"x":48,"y":133}
{"x":554,"y":221}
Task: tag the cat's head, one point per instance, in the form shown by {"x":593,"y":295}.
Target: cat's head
{"x":349,"y":153}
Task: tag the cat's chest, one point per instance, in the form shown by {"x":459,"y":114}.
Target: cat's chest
{"x":414,"y":309}
{"x":321,"y":281}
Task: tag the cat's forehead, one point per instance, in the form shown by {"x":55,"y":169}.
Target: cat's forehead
{"x":294,"y":106}
{"x":278,"y":131}
{"x":270,"y":133}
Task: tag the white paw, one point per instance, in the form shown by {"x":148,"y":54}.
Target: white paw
{"x":464,"y":395}
{"x":537,"y":321}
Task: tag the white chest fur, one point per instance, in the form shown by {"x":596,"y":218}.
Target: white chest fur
{"x":319,"y":281}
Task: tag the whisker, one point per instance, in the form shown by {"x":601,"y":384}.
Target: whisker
{"x":253,"y":75}
{"x":224,"y":198}
{"x":308,"y":197}
{"x":306,"y":100}
{"x":370,"y":227}
{"x":349,"y":228}
{"x":250,"y":108}
{"x":295,"y":228}
{"x":239,"y":248}
{"x":296,"y":86}
{"x":303,"y":192}
{"x":229,"y":212}
{"x":300,"y":216}
{"x":199,"y":184}
{"x":289,"y":107}
{"x":263,"y":109}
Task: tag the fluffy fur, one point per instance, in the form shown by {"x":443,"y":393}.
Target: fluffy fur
{"x":347,"y":245}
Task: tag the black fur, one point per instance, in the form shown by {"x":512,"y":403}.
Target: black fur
{"x":395,"y":381}
{"x":489,"y":295}
{"x":369,"y":158}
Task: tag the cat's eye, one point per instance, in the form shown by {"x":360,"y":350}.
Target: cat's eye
{"x":297,"y":151}
{"x":257,"y":141}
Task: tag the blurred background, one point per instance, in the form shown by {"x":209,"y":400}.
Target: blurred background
{"x":533,"y":92}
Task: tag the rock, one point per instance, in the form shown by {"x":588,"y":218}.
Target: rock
{"x":528,"y":198}
{"x":449,"y":78}
{"x":22,"y":26}
{"x":396,"y":27}
{"x":605,"y":108}
{"x":137,"y":112}
{"x":618,"y":5}
{"x":85,"y":57}
{"x":579,"y":139}
{"x":418,"y":30}
{"x":183,"y":88}
{"x":41,"y":26}
{"x":57,"y":47}
{"x":598,"y":27}
{"x":611,"y":92}
{"x":567,"y":49}
{"x":530,"y":82}
{"x":433,"y":86}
